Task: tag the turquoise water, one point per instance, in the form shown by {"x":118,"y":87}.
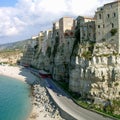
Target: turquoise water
{"x":14,"y":99}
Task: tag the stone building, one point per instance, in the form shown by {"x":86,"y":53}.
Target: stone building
{"x":86,"y":26}
{"x":46,"y":40}
{"x":66,"y":28}
{"x":34,"y":41}
{"x":55,"y":29}
{"x":108,"y":24}
{"x":40,"y":39}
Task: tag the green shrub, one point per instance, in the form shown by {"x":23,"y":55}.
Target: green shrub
{"x":113,"y":31}
{"x":87,"y":54}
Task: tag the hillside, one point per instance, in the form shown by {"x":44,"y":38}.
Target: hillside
{"x":11,"y":53}
{"x":16,"y":45}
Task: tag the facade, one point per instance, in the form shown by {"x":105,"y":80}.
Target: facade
{"x":108,"y":24}
{"x":88,"y":31}
{"x":66,"y":28}
{"x":46,"y":40}
{"x":40,"y":39}
{"x":55,"y":29}
{"x":34,"y":41}
{"x":87,"y":28}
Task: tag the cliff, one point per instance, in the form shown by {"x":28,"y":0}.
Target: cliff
{"x":89,"y":68}
{"x":89,"y":73}
{"x":10,"y":57}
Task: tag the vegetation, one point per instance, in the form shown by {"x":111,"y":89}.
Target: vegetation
{"x":113,"y":31}
{"x":20,"y":45}
{"x":103,"y":39}
{"x":83,"y":102}
{"x":7,"y":53}
{"x":116,"y":84}
{"x":10,"y":57}
{"x":87,"y":54}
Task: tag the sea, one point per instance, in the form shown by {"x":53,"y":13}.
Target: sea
{"x":15,"y":100}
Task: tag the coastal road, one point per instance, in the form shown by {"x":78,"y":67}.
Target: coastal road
{"x":67,"y":104}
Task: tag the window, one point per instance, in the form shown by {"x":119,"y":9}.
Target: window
{"x":66,"y":34}
{"x":99,"y":16}
{"x":98,"y":26}
{"x":114,"y":14}
{"x":71,"y":33}
{"x":112,"y":25}
{"x":90,"y":26}
{"x":108,"y":15}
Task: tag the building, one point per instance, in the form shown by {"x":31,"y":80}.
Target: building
{"x":46,"y":40}
{"x":34,"y":41}
{"x":108,"y":24}
{"x":40,"y":39}
{"x":66,"y":28}
{"x":86,"y":26}
{"x":55,"y":29}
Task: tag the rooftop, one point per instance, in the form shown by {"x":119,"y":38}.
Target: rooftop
{"x":116,"y":1}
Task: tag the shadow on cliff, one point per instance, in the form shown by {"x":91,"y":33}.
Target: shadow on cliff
{"x":55,"y":88}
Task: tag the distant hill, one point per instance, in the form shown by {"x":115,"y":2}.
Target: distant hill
{"x":16,"y":45}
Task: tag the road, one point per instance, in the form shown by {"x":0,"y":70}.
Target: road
{"x":67,"y":104}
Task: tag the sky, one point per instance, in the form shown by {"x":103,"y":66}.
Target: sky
{"x":22,"y":19}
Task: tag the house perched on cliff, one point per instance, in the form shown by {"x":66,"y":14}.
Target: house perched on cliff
{"x":85,"y":26}
{"x":108,"y":25}
{"x":66,"y":28}
{"x":40,"y":38}
{"x":46,"y":40}
{"x":55,"y":29}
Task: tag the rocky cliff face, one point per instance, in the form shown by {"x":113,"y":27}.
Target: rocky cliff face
{"x":96,"y":73}
{"x":89,"y":68}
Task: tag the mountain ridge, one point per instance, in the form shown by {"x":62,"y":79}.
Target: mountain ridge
{"x":15,"y":45}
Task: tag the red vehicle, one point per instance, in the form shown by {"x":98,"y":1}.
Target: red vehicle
{"x":44,"y":74}
{"x":26,"y":65}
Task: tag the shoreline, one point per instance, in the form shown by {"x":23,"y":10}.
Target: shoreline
{"x":42,"y":106}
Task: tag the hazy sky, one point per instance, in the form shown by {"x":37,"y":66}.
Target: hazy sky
{"x":21,"y":19}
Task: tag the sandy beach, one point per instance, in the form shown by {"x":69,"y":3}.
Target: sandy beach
{"x":43,"y":107}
